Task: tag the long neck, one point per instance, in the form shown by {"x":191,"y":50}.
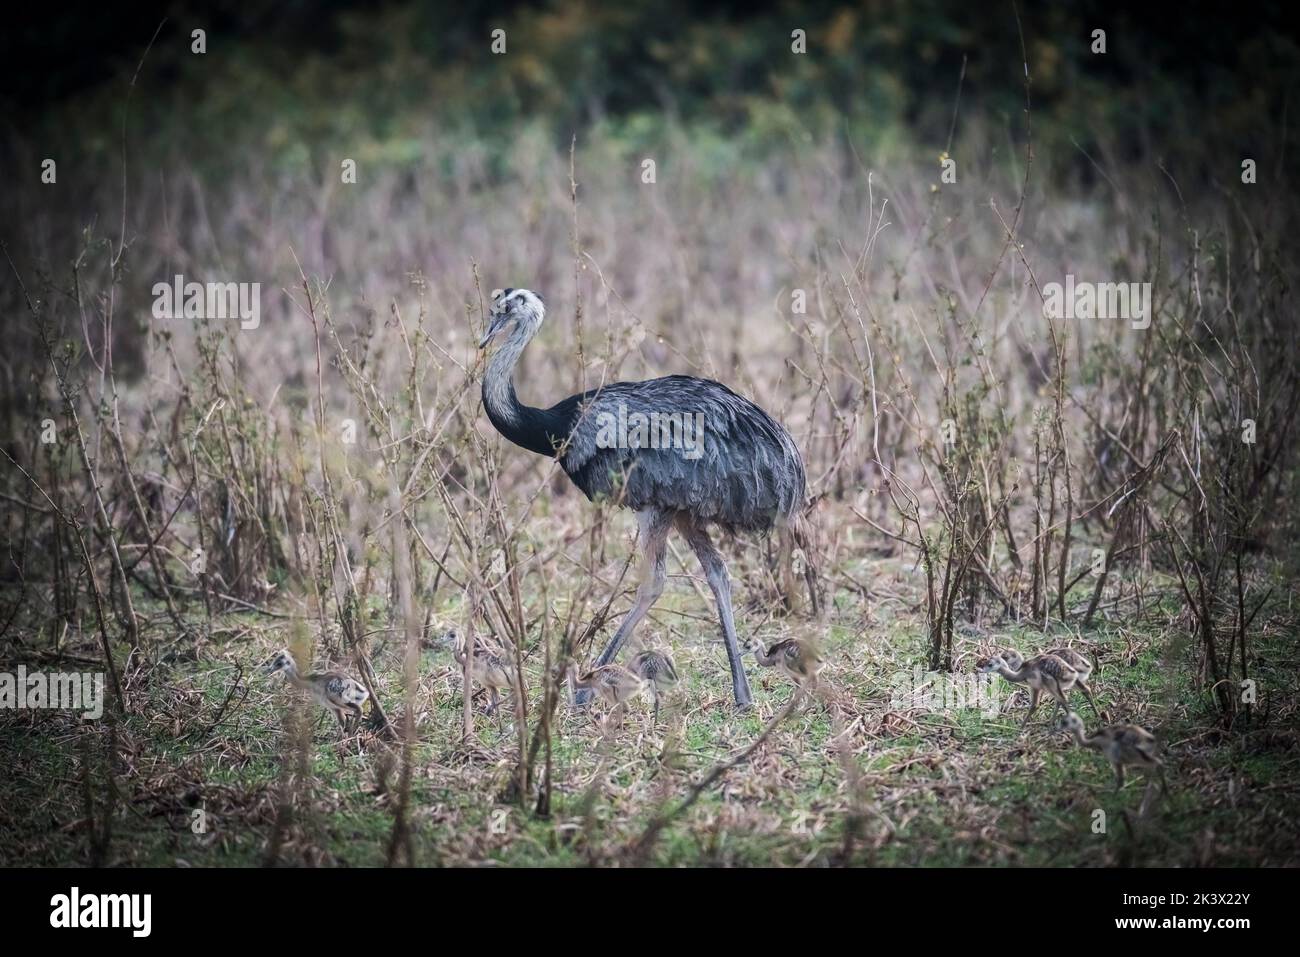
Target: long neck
{"x":1005,"y":671}
{"x":536,"y":430}
{"x":1085,"y":741}
{"x":291,"y":673}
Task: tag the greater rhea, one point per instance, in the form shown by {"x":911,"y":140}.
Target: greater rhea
{"x":1123,"y":745}
{"x":1082,"y":666}
{"x":492,"y":670}
{"x":796,"y":658}
{"x":613,"y":684}
{"x":1041,"y":673}
{"x":334,"y":691}
{"x":656,"y":668}
{"x":743,"y":473}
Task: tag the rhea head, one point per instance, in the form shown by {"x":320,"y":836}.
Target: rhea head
{"x":1070,"y":723}
{"x":521,"y":308}
{"x":282,"y":661}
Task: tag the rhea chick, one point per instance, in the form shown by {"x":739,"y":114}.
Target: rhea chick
{"x":1083,"y":669}
{"x":657,"y":670}
{"x":1041,"y":673}
{"x":333,"y":690}
{"x":493,"y":671}
{"x":796,"y":658}
{"x":1123,"y":745}
{"x":612,"y":684}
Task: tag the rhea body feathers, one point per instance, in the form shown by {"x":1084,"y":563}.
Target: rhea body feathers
{"x":1123,"y":745}
{"x":334,"y":691}
{"x":746,"y":474}
{"x":739,"y":469}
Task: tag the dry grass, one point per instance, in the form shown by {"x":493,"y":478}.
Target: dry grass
{"x":921,"y":307}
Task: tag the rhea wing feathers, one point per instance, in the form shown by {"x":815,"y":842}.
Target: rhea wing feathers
{"x":742,"y":469}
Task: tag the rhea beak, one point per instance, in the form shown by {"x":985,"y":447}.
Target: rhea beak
{"x":497,"y":323}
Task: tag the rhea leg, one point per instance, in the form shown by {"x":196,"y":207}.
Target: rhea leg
{"x":1053,"y":688}
{"x":1061,"y":704}
{"x":1087,"y":692}
{"x":715,"y":570}
{"x":654,"y":538}
{"x":1033,"y":703}
{"x":1149,"y":791}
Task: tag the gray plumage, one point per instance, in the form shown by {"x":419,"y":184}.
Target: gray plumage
{"x":736,"y":467}
{"x":748,"y":476}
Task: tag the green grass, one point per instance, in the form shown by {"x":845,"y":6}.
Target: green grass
{"x":953,"y":789}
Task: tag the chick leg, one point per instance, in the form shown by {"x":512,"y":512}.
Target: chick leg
{"x":1033,"y":703}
